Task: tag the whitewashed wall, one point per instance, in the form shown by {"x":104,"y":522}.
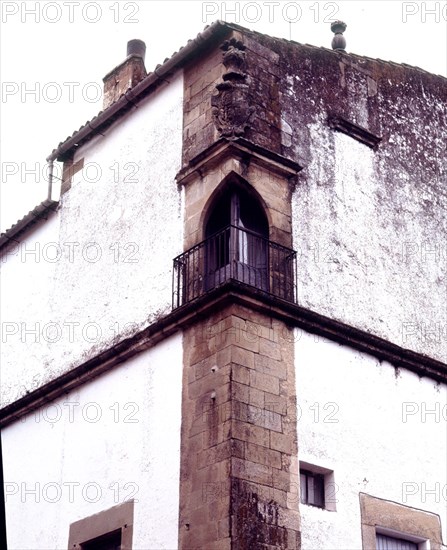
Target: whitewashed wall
{"x":118,"y":229}
{"x":114,"y":438}
{"x":369,"y":423}
{"x":27,"y":280}
{"x":370,"y":252}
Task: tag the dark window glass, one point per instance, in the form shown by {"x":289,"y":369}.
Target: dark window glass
{"x":220,"y":217}
{"x":110,"y":541}
{"x":239,"y":208}
{"x":312,"y":488}
{"x":237,"y":248}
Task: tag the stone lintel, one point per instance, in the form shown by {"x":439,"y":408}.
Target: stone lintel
{"x":354,"y":130}
{"x":242,"y":149}
{"x":197,"y":310}
{"x":384,"y":516}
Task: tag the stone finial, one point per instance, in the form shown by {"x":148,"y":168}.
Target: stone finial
{"x":339,"y":41}
{"x":234,"y":60}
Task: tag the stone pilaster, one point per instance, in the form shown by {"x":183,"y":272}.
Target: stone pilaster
{"x":239,"y":471}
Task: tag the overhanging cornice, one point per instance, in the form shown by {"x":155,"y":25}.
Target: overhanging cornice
{"x":198,"y":310}
{"x":240,"y":149}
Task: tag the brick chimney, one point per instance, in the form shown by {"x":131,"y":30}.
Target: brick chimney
{"x":126,"y":74}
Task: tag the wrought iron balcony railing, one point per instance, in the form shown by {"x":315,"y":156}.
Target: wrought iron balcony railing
{"x":234,"y":254}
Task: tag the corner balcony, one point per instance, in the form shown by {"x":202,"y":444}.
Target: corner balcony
{"x":236,"y":255}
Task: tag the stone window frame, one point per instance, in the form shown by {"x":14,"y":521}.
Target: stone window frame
{"x":398,"y":520}
{"x":118,"y":517}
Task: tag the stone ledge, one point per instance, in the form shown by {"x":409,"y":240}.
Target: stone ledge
{"x":200,"y":309}
{"x":239,"y":148}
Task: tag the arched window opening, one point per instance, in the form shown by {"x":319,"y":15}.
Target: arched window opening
{"x":237,"y":237}
{"x":236,"y":248}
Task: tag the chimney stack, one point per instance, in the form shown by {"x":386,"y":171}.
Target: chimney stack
{"x":339,"y":41}
{"x":136,"y":47}
{"x":125,"y":75}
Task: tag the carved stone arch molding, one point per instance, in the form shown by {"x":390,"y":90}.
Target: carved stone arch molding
{"x":271,"y":177}
{"x":233,"y":179}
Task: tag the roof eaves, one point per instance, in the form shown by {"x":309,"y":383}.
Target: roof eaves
{"x":128,"y":100}
{"x":236,"y":27}
{"x":41,"y":211}
{"x":132,"y":96}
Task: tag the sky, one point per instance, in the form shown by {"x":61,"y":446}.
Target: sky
{"x":53,"y":56}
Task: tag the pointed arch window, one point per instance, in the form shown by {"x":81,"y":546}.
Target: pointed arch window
{"x":236,"y":248}
{"x":237,"y":236}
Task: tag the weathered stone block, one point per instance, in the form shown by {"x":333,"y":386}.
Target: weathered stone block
{"x":243,"y":357}
{"x":264,"y":382}
{"x":251,"y":471}
{"x":240,"y":374}
{"x":262,"y":455}
{"x":252,"y":434}
{"x":283,"y":443}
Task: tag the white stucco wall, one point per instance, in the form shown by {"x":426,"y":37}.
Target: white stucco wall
{"x":371,"y":425}
{"x":118,"y":229}
{"x":115,"y":438}
{"x":370,"y":254}
{"x":27,"y":280}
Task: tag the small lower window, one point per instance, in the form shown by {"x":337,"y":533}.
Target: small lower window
{"x":317,"y":486}
{"x":389,"y":539}
{"x":109,"y":541}
{"x":388,"y":525}
{"x":385,"y":542}
{"x":107,"y":530}
{"x":312,"y":488}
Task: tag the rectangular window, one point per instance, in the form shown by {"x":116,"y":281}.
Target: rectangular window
{"x":107,"y":530}
{"x":109,"y":541}
{"x":312,"y":488}
{"x":385,"y":542}
{"x":387,"y":525}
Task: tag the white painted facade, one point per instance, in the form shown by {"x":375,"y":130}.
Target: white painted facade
{"x":118,"y":436}
{"x":369,"y":254}
{"x":114,"y":238}
{"x":102,"y":271}
{"x":27,"y":280}
{"x":371,"y":425}
{"x":113,"y":439}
